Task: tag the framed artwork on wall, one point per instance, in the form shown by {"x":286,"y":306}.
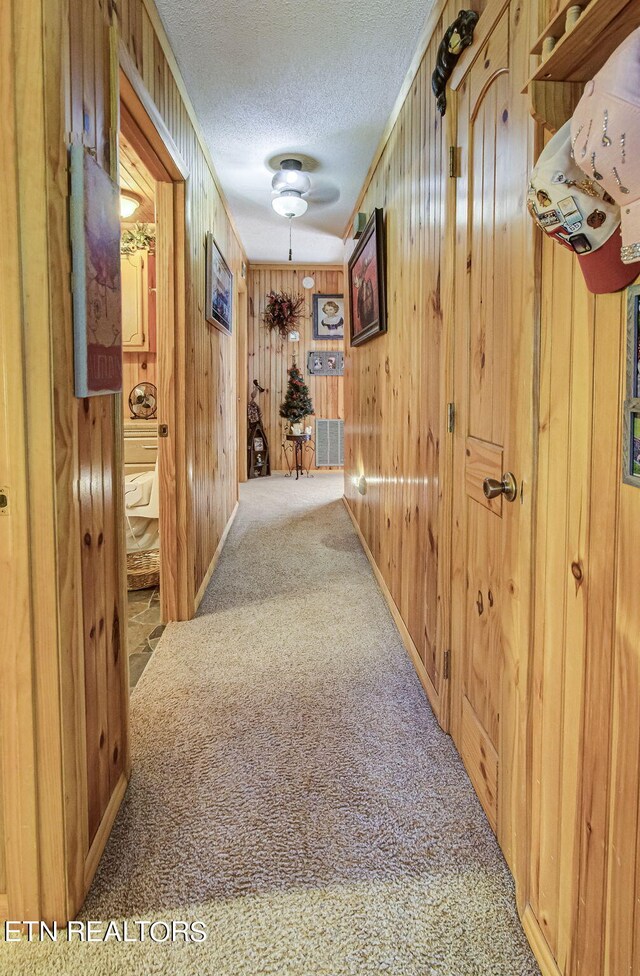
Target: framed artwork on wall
{"x":366,"y":280}
{"x":219,"y":285}
{"x":95,"y":248}
{"x":328,"y":316}
{"x":321,"y":363}
{"x":631,"y":436}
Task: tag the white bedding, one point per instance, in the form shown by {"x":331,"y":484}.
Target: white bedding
{"x":141,"y":500}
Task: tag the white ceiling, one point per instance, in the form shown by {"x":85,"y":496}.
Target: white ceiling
{"x":270,"y":78}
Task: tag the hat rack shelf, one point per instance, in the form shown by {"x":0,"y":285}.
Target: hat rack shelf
{"x":556,"y":84}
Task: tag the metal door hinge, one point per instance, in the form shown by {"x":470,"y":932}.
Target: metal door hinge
{"x":453,"y":162}
{"x":446,"y":665}
{"x":451,"y":418}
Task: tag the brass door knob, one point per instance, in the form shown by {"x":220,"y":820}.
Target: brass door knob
{"x":507,"y":487}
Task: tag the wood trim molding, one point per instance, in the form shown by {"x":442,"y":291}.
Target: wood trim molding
{"x":407,"y":640}
{"x":423,"y":43}
{"x":488,"y":20}
{"x":214,"y":562}
{"x":161,"y":34}
{"x":102,"y":836}
{"x":160,"y":139}
{"x":539,"y":944}
{"x":285,"y":266}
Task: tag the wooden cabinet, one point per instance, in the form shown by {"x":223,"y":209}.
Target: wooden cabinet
{"x":134,"y":271}
{"x":140,"y":445}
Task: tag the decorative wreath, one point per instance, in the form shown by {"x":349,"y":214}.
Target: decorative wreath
{"x":282,"y":311}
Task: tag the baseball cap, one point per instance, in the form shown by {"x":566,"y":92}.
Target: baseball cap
{"x":578,"y":213}
{"x":605,"y":134}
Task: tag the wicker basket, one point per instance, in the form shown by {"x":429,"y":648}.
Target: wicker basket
{"x":143,"y":569}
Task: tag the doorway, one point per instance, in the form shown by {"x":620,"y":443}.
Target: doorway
{"x":152,"y":172}
{"x":138,"y":225}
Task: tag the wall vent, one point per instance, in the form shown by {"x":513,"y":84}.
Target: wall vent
{"x":329,"y":443}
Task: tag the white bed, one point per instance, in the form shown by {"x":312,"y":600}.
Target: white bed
{"x":141,"y":501}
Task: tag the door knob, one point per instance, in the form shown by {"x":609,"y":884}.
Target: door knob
{"x":507,"y":487}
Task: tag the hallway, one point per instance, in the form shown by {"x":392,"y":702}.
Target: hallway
{"x":290,"y":786}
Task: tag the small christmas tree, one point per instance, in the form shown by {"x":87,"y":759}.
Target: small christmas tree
{"x":297,"y":402}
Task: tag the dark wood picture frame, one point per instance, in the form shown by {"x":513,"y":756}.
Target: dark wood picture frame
{"x":334,"y":332}
{"x":219,"y":288}
{"x":367,"y":291}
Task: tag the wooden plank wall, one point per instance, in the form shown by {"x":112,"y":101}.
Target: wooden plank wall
{"x":585,"y":813}
{"x":395,"y":389}
{"x":269,"y":358}
{"x":64,"y":77}
{"x":579,"y":890}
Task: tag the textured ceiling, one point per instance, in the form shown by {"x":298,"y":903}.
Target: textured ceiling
{"x":274,"y":77}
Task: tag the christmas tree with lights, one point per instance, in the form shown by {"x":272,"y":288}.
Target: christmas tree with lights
{"x":297,"y":403}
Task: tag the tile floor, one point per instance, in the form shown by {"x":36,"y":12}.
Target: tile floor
{"x":144,"y":630}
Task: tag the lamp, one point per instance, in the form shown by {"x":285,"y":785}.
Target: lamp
{"x":291,"y":177}
{"x":129,"y":203}
{"x":289,"y":203}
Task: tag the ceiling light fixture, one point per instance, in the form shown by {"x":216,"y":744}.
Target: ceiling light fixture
{"x":129,"y":203}
{"x":289,"y":203}
{"x":291,"y":177}
{"x":289,"y":184}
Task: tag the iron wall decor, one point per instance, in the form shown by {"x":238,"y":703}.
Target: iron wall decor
{"x":366,"y":281}
{"x":219,"y":284}
{"x":328,"y":317}
{"x":631,"y":440}
{"x":325,"y":363}
{"x":457,"y":37}
{"x":95,"y":246}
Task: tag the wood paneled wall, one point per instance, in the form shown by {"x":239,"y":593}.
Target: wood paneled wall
{"x":584,"y":781}
{"x":65,"y":782}
{"x":270,"y":357}
{"x":579,"y":887}
{"x":395,"y":384}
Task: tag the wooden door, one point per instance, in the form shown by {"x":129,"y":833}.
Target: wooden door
{"x":494,"y":355}
{"x":135,"y":301}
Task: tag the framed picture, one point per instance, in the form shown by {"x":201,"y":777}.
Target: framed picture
{"x":328,"y":316}
{"x":97,"y":306}
{"x":367,"y":305}
{"x":321,"y":363}
{"x":631,"y":437}
{"x":219,"y":285}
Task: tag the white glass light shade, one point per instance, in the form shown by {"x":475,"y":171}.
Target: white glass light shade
{"x":308,"y":282}
{"x":289,"y":203}
{"x":128,"y":205}
{"x":291,"y":179}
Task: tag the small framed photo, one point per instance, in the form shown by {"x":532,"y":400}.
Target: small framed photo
{"x":366,"y":275}
{"x":328,"y":316}
{"x":325,"y":363}
{"x":631,"y":437}
{"x":219,"y":289}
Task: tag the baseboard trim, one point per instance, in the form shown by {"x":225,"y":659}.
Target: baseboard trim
{"x":102,"y":835}
{"x":407,"y":640}
{"x":214,"y":562}
{"x":537,"y":941}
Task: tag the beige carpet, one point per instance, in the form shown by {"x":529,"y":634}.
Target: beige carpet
{"x":291,"y":787}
